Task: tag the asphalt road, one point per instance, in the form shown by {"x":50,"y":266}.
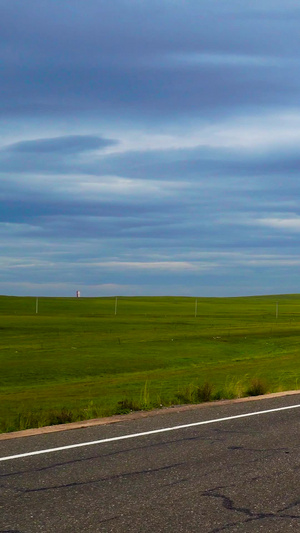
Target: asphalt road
{"x":232,"y":475}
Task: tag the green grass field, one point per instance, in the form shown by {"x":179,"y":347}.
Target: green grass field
{"x":76,"y":359}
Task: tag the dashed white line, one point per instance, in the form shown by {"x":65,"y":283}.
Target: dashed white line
{"x":146,"y":433}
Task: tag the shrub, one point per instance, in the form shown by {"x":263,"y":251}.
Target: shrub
{"x":126,"y":406}
{"x":60,"y":416}
{"x":256,"y":387}
{"x":196,"y":393}
{"x":203,"y":393}
{"x":186,"y":395}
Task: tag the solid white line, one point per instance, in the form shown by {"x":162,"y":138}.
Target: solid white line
{"x":145,"y":433}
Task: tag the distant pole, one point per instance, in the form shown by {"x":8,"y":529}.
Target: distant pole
{"x":276,"y":309}
{"x":196,"y":307}
{"x":116,"y":305}
{"x":36,"y":306}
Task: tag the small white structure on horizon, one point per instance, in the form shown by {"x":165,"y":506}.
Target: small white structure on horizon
{"x":77,"y":294}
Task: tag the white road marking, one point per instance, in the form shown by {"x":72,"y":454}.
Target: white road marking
{"x":145,"y":433}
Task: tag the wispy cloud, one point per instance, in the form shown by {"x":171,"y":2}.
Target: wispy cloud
{"x":70,"y":144}
{"x":169,"y":266}
{"x":286,"y":224}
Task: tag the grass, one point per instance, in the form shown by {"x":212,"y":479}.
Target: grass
{"x":75,"y":359}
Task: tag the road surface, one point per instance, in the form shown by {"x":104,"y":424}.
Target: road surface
{"x":230,"y":474}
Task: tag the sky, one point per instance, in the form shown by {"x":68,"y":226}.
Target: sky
{"x":149,"y":147}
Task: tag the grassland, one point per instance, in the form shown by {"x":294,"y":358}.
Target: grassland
{"x":76,"y":359}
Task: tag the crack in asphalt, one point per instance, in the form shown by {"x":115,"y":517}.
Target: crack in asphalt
{"x":228,"y":504}
{"x":290,"y":506}
{"x":261,"y":450}
{"x":172,"y":483}
{"x":103,"y":479}
{"x":252,"y":519}
{"x":111,"y":519}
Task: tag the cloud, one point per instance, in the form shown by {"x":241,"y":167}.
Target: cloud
{"x":91,"y":62}
{"x":222,"y":59}
{"x":70,"y":144}
{"x":169,"y":266}
{"x":286,"y":224}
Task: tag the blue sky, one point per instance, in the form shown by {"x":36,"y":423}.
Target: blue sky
{"x":149,"y":147}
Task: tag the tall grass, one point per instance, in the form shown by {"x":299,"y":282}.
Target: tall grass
{"x":193,"y":393}
{"x":257,"y":387}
